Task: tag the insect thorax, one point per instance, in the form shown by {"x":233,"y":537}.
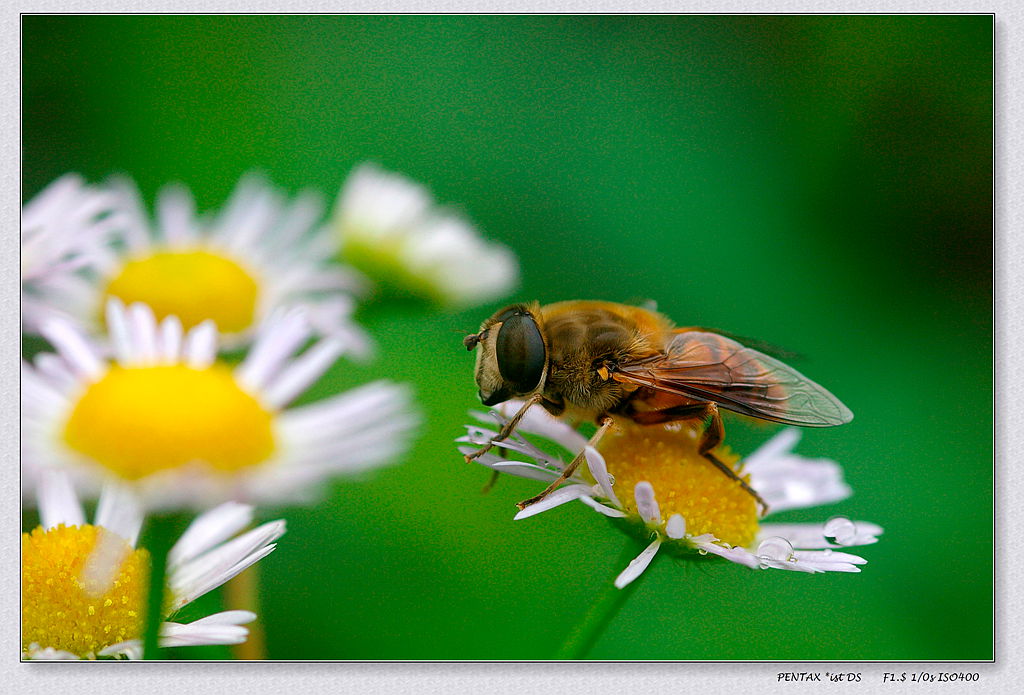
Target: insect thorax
{"x":579,"y":343}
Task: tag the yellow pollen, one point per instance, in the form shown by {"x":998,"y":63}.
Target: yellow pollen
{"x":138,"y":421}
{"x":60,"y":608}
{"x":192,"y":285}
{"x":684,"y":482}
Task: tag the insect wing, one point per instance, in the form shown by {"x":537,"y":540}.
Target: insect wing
{"x":711,"y":367}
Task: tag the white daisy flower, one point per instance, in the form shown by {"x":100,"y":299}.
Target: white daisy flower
{"x":260,"y":252}
{"x":189,"y":431}
{"x":84,"y":585}
{"x":62,"y":230}
{"x":390,"y":227}
{"x":655,"y":482}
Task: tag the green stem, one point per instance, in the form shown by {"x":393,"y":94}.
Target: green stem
{"x":242,"y":592}
{"x":160,"y":537}
{"x":610,"y":599}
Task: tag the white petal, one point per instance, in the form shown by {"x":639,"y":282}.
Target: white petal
{"x":201,"y":345}
{"x":603,"y":509}
{"x":352,"y":412}
{"x":556,"y":498}
{"x":74,"y":348}
{"x":378,"y":204}
{"x":796,"y":482}
{"x":208,"y":529}
{"x":356,"y":343}
{"x":825,"y":557}
{"x":598,"y":469}
{"x":792,"y":566}
{"x":175,"y":211}
{"x":479,"y":436}
{"x":539,"y":421}
{"x":58,"y":503}
{"x":826,"y":567}
{"x":170,"y":340}
{"x":247,"y":193}
{"x":740,"y":556}
{"x":520,"y":469}
{"x":56,"y":372}
{"x":300,"y":216}
{"x":811,"y":536}
{"x":277,"y":339}
{"x":61,"y":228}
{"x":119,"y":510}
{"x":194,"y":578}
{"x":103,"y":564}
{"x":646,"y":503}
{"x":236,"y":617}
{"x":135,"y":231}
{"x":208,"y":582}
{"x":190,"y":635}
{"x":219,"y":628}
{"x":39,"y":397}
{"x":676,"y":527}
{"x":142,"y":327}
{"x":361,"y":429}
{"x":36,"y":653}
{"x":637,"y":566}
{"x":117,"y":328}
{"x":782,"y":443}
{"x":869,"y":528}
{"x":789,"y":481}
{"x":131,"y":648}
{"x":298,"y":376}
{"x":252,"y":220}
{"x":51,"y":200}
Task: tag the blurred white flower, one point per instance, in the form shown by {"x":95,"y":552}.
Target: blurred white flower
{"x":188,"y":431}
{"x":259,"y":253}
{"x":391,"y":228}
{"x":84,"y":585}
{"x":654,"y":480}
{"x":62,"y":229}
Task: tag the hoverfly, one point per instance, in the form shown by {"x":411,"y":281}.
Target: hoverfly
{"x":598,"y":361}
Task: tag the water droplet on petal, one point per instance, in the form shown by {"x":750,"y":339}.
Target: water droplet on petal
{"x":841,"y":531}
{"x":702,"y":551}
{"x":775,"y":549}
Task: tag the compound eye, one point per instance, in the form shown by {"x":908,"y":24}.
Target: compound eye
{"x":519,"y":350}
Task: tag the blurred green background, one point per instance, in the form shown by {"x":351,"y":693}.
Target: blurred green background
{"x":820,"y":183}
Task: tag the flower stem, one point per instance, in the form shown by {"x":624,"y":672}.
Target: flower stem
{"x":610,"y":599}
{"x":160,"y":535}
{"x":242,"y":592}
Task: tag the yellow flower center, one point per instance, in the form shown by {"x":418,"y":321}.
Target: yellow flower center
{"x":64,"y":606}
{"x":192,"y":285}
{"x":684,"y":482}
{"x":137,"y":421}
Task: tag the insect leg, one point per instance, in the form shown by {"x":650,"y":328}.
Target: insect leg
{"x":606,"y":424}
{"x":709,"y":438}
{"x":490,"y":482}
{"x":507,"y":430}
